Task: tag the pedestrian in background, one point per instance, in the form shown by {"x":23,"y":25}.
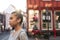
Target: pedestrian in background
{"x":15,"y":21}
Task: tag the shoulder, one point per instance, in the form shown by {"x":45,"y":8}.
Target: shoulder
{"x":23,"y":35}
{"x":22,"y":32}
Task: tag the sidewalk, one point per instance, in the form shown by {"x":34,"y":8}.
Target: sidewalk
{"x":5,"y":35}
{"x":51,"y":38}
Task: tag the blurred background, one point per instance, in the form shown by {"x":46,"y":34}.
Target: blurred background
{"x":41,"y":18}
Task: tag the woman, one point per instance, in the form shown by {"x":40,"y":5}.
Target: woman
{"x":18,"y":33}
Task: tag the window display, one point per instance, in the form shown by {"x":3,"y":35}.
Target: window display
{"x":33,"y":19}
{"x":46,"y":20}
{"x":57,"y":19}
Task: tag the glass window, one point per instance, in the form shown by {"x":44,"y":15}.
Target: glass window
{"x":57,"y":19}
{"x":33,"y":19}
{"x":46,"y":20}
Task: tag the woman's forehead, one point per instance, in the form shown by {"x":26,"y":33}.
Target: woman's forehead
{"x":13,"y":15}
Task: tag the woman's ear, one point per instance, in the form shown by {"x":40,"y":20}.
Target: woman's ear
{"x":18,"y":20}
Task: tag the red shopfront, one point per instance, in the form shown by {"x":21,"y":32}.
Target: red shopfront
{"x":39,"y":7}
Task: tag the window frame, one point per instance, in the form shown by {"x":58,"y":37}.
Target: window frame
{"x":51,"y":21}
{"x":29,"y":20}
{"x":55,"y":19}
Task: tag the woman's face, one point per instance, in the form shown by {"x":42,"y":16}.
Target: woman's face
{"x":13,"y":20}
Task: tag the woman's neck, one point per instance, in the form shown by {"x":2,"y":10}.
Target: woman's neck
{"x":18,"y":27}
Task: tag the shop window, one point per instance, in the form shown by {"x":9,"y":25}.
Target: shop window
{"x":57,"y":19}
{"x":46,"y":20}
{"x":33,"y":19}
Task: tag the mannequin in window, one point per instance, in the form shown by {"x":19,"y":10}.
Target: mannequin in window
{"x":35,"y":18}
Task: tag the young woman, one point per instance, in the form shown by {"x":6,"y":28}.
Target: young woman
{"x":15,"y":21}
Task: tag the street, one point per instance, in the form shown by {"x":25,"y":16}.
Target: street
{"x":5,"y":35}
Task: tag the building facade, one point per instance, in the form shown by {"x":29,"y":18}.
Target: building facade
{"x":49,"y":21}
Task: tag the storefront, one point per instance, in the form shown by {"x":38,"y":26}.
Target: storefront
{"x":45,"y":21}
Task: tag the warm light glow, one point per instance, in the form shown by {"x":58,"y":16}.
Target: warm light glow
{"x":31,"y":11}
{"x":48,"y":5}
{"x":30,"y":6}
{"x":44,"y":10}
{"x":35,"y":6}
{"x":36,"y":11}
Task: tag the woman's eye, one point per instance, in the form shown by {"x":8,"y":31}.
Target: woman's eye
{"x":11,"y":18}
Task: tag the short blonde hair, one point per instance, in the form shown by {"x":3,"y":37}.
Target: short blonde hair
{"x":19,"y":16}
